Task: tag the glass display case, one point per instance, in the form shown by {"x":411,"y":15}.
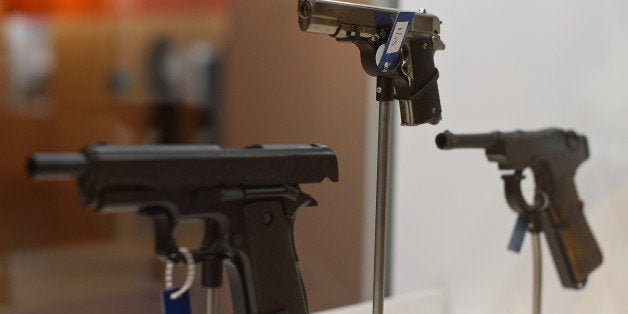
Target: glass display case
{"x":233,"y":73}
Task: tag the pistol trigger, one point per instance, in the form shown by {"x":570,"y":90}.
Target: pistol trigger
{"x":166,"y":245}
{"x":518,"y":234}
{"x":406,"y":66}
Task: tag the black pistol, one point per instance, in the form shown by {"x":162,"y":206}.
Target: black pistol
{"x":414,"y":75}
{"x":553,"y":155}
{"x":247,"y":198}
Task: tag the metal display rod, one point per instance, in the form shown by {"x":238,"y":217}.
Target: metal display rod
{"x":405,"y":71}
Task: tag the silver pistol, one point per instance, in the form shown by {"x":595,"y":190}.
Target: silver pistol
{"x":414,"y":76}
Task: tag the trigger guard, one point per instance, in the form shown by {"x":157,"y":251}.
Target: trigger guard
{"x":515,"y":199}
{"x":368,"y":55}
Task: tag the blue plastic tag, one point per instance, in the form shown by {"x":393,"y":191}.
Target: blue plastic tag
{"x":180,"y":305}
{"x":518,"y":234}
{"x":395,"y":41}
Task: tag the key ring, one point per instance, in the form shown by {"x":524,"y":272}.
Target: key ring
{"x":189,"y":279}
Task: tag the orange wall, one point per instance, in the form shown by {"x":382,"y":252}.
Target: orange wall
{"x":168,"y":5}
{"x":125,"y":7}
{"x":56,"y":7}
{"x":287,"y":86}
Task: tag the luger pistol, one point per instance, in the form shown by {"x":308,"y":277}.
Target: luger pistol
{"x":553,"y":155}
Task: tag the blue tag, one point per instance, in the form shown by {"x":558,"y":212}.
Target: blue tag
{"x":395,"y":41}
{"x":516,"y":239}
{"x":180,"y":305}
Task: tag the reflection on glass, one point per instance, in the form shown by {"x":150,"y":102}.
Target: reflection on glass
{"x":148,"y":71}
{"x":74,"y":72}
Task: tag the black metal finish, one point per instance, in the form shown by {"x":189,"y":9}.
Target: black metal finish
{"x":448,"y":140}
{"x":212,"y":264}
{"x":423,"y":91}
{"x":553,"y":156}
{"x":516,"y":201}
{"x":56,"y":166}
{"x":385,"y":90}
{"x":248,"y":199}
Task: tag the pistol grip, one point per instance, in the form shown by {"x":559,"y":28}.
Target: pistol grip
{"x":575,"y":251}
{"x":419,"y":99}
{"x":265,"y":261}
{"x":573,"y":246}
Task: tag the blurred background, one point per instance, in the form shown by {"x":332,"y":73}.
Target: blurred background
{"x":514,"y":65}
{"x":236,"y":73}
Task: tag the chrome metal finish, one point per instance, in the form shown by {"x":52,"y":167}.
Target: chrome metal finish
{"x":407,"y":113}
{"x":348,"y":21}
{"x":381,"y":206}
{"x":213,"y":300}
{"x":538,"y":273}
{"x":408,"y":108}
{"x":336,"y":18}
{"x":406,"y":64}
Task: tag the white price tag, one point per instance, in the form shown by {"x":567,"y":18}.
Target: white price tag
{"x":396,"y":39}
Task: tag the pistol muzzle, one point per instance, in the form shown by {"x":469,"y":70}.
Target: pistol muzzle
{"x":56,"y":166}
{"x":316,"y":23}
{"x":328,"y":17}
{"x":448,"y":140}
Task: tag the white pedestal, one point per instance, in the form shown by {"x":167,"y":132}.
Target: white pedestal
{"x":430,"y":301}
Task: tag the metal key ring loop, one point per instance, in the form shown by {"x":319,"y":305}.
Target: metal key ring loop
{"x":189,"y":279}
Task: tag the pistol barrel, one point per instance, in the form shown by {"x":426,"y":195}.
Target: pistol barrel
{"x":330,"y":17}
{"x":448,"y":140}
{"x":56,"y":166}
{"x":326,"y":17}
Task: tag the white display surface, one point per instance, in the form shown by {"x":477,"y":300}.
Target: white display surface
{"x":429,"y":301}
{"x":514,"y":65}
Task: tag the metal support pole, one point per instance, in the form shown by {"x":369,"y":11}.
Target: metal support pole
{"x":212,"y":281}
{"x":5,"y":280}
{"x":384,"y":95}
{"x":213,"y":300}
{"x":536,"y":255}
